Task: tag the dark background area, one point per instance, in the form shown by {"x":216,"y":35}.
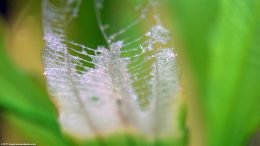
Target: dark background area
{"x":4,"y":5}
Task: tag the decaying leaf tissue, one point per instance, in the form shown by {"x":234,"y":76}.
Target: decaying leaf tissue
{"x":122,"y":85}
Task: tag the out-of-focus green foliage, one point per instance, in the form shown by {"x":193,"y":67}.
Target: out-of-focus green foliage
{"x":25,"y":105}
{"x":222,"y":44}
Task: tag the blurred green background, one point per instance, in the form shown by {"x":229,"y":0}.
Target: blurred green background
{"x":219,"y":47}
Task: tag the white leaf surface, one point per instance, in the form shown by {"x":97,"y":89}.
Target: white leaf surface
{"x":132,"y":85}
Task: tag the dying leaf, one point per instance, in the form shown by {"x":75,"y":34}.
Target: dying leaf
{"x":127,"y":84}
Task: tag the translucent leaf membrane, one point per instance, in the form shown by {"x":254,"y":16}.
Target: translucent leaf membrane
{"x":128,"y":83}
